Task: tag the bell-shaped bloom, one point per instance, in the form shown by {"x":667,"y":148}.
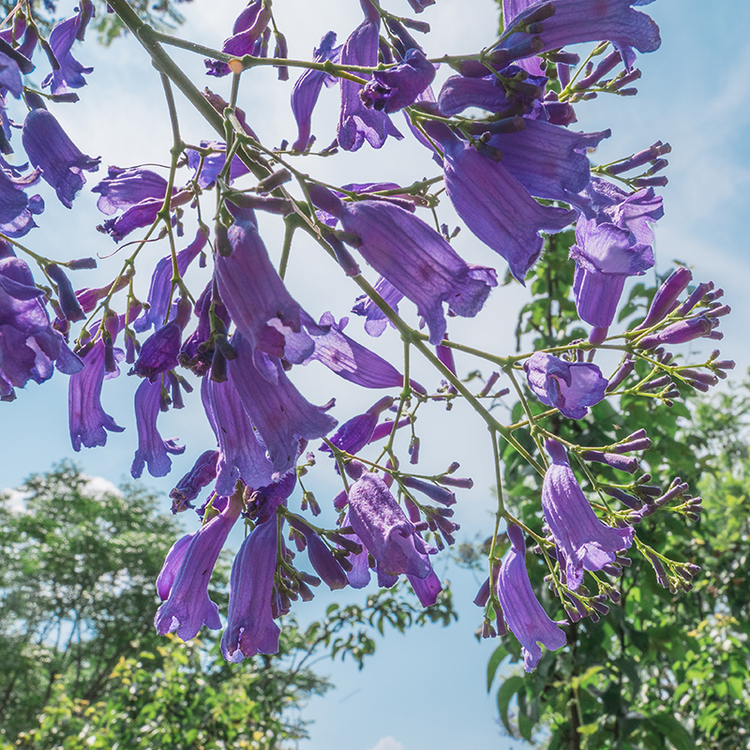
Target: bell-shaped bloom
{"x":13,"y":199}
{"x":635,"y":212}
{"x":388,"y":535}
{"x":375,"y":320}
{"x":70,"y":73}
{"x":87,"y":420}
{"x":426,"y":589}
{"x":257,"y":300}
{"x":276,"y":408}
{"x":349,"y":359}
{"x":200,"y":476}
{"x":123,"y":188}
{"x":246,"y":37}
{"x":250,"y":625}
{"x":357,"y":123}
{"x":355,"y":434}
{"x":159,"y":352}
{"x":49,"y":149}
{"x":213,"y":163}
{"x":549,"y":161}
{"x":523,"y":614}
{"x":495,"y":206}
{"x":188,"y":606}
{"x":585,"y":542}
{"x":161,"y":284}
{"x":69,"y":305}
{"x":570,"y":387}
{"x":395,"y":88}
{"x":153,"y":451}
{"x":605,"y":256}
{"x":172,"y":565}
{"x":414,"y":258}
{"x":460,"y":92}
{"x":575,"y":21}
{"x":241,"y":456}
{"x":307,"y":89}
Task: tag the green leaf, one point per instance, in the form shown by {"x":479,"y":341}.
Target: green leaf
{"x":497,"y":656}
{"x":504,"y":695}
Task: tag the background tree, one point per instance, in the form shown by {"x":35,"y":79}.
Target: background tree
{"x":82,"y":663}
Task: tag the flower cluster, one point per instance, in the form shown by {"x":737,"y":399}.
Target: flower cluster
{"x":513,"y":174}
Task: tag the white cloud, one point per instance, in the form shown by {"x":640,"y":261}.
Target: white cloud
{"x":388,"y":743}
{"x":16,"y":500}
{"x":98,"y":486}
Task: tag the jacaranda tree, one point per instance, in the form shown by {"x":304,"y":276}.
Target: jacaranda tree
{"x":573,"y":495}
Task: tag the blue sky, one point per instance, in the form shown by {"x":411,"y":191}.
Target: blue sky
{"x":425,"y":689}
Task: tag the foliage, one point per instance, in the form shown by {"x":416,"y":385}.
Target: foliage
{"x":83,"y":666}
{"x":662,"y":670}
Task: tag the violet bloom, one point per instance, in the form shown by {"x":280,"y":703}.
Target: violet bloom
{"x":200,"y":476}
{"x":246,"y":37}
{"x":241,"y":456}
{"x":586,"y":542}
{"x":414,"y":258}
{"x":50,"y":149}
{"x":153,"y":451}
{"x":575,"y":21}
{"x":257,"y":300}
{"x":385,"y":531}
{"x":213,"y":163}
{"x":123,"y":188}
{"x":307,"y":89}
{"x":250,"y":625}
{"x":159,"y":352}
{"x":357,"y":123}
{"x":524,"y":615}
{"x":605,"y":256}
{"x":188,"y":606}
{"x":70,"y":73}
{"x":375,"y":320}
{"x":395,"y":88}
{"x":161,"y":284}
{"x":350,"y":360}
{"x":355,"y":434}
{"x":17,"y":210}
{"x":570,"y":387}
{"x":426,"y":589}
{"x":172,"y":564}
{"x":276,"y":408}
{"x":87,"y":420}
{"x":324,"y":562}
{"x":495,"y":206}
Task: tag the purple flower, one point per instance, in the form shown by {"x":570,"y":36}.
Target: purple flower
{"x":307,"y":89}
{"x":549,"y":161}
{"x":324,"y":562}
{"x":188,"y":606}
{"x":123,"y":188}
{"x":257,"y":300}
{"x":246,"y":37}
{"x":570,"y":387}
{"x":438,"y":494}
{"x":241,"y":455}
{"x":172,"y":564}
{"x":585,"y":542}
{"x":213,"y":163}
{"x":665,"y":299}
{"x":50,"y":149}
{"x":414,"y":258}
{"x":419,"y":5}
{"x":276,"y":408}
{"x":426,"y":589}
{"x":200,"y":476}
{"x":355,"y":434}
{"x":495,"y":206}
{"x":357,"y":123}
{"x":87,"y":420}
{"x":575,"y":21}
{"x":16,"y":208}
{"x":385,"y":531}
{"x":605,"y":256}
{"x":682,"y":332}
{"x":395,"y":88}
{"x":152,"y":451}
{"x":375,"y":320}
{"x":250,"y":624}
{"x":524,"y":615}
{"x":159,"y":352}
{"x":70,"y":73}
{"x":350,"y":360}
